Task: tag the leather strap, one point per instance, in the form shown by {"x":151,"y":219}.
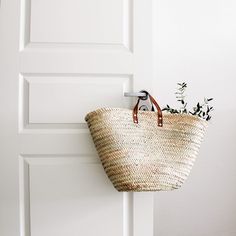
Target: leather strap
{"x":159,"y":112}
{"x":135,"y":112}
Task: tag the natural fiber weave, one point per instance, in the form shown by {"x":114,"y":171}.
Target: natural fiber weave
{"x":143,"y":156}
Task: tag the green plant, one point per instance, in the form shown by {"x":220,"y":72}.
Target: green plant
{"x":202,"y":110}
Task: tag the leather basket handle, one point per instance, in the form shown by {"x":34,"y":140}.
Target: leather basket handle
{"x":153,"y":102}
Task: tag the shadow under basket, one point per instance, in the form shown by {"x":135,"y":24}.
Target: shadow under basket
{"x":144,"y":156}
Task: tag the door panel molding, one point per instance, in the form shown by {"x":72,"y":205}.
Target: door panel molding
{"x":27,"y":164}
{"x":31,"y":24}
{"x":42,"y":98}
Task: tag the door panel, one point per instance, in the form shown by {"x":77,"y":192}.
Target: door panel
{"x":50,"y":99}
{"x":62,"y":59}
{"x":71,"y":194}
{"x":79,"y":21}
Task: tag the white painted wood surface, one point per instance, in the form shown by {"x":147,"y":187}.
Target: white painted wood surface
{"x":59,"y":60}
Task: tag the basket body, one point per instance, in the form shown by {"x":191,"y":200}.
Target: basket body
{"x":143,"y":156}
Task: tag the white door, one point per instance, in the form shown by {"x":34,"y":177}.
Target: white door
{"x":58,"y":61}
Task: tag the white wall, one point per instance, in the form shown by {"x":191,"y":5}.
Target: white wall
{"x":196,"y":43}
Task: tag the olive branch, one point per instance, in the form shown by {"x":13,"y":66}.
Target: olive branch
{"x":202,"y":110}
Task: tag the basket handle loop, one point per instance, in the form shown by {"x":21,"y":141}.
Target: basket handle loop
{"x":153,"y":102}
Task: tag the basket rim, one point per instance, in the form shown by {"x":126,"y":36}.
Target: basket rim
{"x":104,"y":109}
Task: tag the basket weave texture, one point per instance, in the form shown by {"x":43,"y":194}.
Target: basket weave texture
{"x":143,"y":156}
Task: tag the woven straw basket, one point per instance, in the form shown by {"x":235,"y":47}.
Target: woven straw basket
{"x":145,"y":156}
